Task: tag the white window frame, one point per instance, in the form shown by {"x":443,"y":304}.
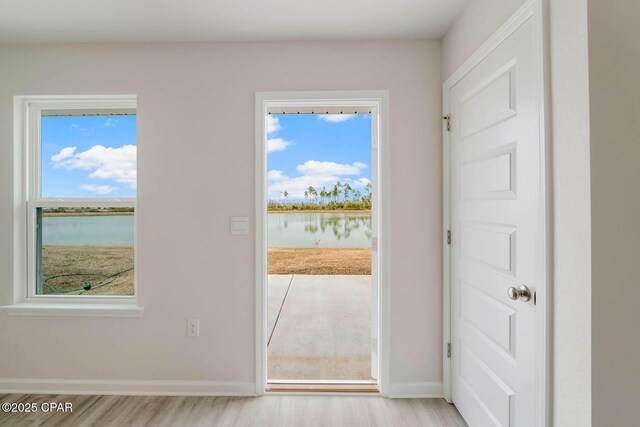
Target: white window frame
{"x":27,"y":199}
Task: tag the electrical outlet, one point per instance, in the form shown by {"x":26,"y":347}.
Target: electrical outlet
{"x":193,"y":327}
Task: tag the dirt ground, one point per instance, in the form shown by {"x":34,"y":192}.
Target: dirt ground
{"x":319,"y":261}
{"x":89,"y":263}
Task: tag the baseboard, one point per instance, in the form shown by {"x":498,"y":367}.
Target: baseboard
{"x":127,"y":387}
{"x":178,"y":388}
{"x":415,"y":390}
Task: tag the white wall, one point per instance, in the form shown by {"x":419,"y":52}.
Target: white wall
{"x":566,"y":28}
{"x":196,"y":170}
{"x":614,"y":61}
{"x":479,"y":20}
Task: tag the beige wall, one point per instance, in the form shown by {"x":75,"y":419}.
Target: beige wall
{"x":566,"y":29}
{"x":614,"y":71}
{"x":196,"y":154}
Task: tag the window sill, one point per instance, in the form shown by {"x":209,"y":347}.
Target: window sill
{"x":73,"y":310}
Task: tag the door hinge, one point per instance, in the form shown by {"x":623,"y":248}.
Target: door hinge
{"x":449,"y":350}
{"x":448,"y":237}
{"x":374,"y":244}
{"x":447,"y":119}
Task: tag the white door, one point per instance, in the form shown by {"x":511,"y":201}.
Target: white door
{"x":497,"y":235}
{"x":375,"y":288}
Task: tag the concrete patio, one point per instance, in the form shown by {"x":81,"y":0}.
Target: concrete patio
{"x":319,"y":327}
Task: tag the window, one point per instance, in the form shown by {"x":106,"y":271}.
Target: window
{"x":81,"y":176}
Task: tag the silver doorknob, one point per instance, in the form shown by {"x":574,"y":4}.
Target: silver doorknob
{"x":521,"y":292}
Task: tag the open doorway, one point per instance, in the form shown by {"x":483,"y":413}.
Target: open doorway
{"x":319,"y":258}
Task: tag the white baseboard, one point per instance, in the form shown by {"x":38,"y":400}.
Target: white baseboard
{"x":127,"y":387}
{"x":415,"y":390}
{"x":178,"y":388}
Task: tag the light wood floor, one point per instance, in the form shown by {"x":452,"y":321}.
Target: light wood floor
{"x":271,"y":410}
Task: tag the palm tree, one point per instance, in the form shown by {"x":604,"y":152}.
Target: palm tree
{"x":347,"y":189}
{"x":336,"y":190}
{"x":286,"y":194}
{"x":323,"y":194}
{"x":306,"y":195}
{"x":313,"y":193}
{"x":367,"y":198}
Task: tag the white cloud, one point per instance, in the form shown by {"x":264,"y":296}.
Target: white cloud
{"x":335,"y":118}
{"x":76,"y":127}
{"x":110,"y":122}
{"x":277,"y":144}
{"x":297,"y":186}
{"x":276,"y":175}
{"x":63,"y":154}
{"x":314,"y":167}
{"x":273,"y":124}
{"x":98,"y":189}
{"x":360,"y":182}
{"x":118,"y":164}
{"x":316,"y":174}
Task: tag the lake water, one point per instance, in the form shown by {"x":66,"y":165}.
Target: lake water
{"x":321,"y":230}
{"x":114,"y":230}
{"x":287,"y":230}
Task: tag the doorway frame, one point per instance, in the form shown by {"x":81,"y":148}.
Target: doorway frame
{"x":537,"y":12}
{"x":368,"y":98}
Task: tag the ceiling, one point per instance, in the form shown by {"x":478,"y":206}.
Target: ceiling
{"x":89,"y":21}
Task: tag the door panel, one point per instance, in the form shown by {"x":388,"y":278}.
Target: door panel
{"x":496,"y":190}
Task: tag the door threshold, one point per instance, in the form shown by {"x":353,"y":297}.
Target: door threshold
{"x":318,"y":387}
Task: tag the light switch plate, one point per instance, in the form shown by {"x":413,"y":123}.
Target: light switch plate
{"x":240,"y":225}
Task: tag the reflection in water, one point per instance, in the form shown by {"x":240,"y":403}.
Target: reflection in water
{"x":324,"y":230}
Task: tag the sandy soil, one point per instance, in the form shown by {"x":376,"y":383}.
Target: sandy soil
{"x":88,"y":260}
{"x":357,"y":211}
{"x":319,"y":261}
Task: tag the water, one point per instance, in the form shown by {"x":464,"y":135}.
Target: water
{"x":321,"y":230}
{"x":287,"y":230}
{"x":117,"y":230}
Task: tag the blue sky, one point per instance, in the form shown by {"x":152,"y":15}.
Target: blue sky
{"x":96,"y":156}
{"x":317,"y":150}
{"x":93,"y":156}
